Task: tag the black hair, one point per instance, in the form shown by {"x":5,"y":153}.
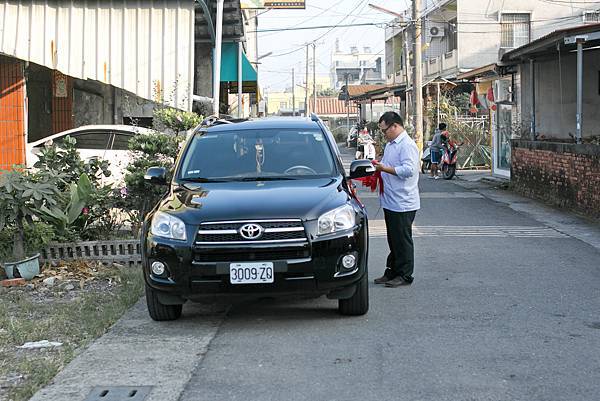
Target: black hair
{"x":442,"y":126}
{"x":391,"y":117}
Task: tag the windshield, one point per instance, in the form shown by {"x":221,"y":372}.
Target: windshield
{"x":269,"y":154}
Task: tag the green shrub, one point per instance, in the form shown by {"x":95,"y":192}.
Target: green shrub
{"x":65,"y":160}
{"x":24,"y":195}
{"x":167,"y":118}
{"x":152,"y":150}
{"x":37,"y":236}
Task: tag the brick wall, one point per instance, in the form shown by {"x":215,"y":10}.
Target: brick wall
{"x":562,"y":174}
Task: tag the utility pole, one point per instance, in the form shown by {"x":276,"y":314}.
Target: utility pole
{"x":306,"y":88}
{"x":217,"y":63}
{"x":293,"y":94}
{"x":347,"y":104}
{"x":418,"y":75}
{"x":314,"y":78}
{"x":406,"y":73}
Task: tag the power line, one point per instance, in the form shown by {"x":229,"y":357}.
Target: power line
{"x":309,"y":18}
{"x":378,"y":24}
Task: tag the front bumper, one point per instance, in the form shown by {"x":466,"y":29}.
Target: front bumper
{"x":311,"y":267}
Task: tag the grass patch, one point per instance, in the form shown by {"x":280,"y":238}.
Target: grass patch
{"x":72,"y":320}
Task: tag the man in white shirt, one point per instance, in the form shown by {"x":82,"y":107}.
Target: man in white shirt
{"x":400,"y":199}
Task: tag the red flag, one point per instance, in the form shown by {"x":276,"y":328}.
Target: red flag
{"x":490,"y":98}
{"x":474,"y":98}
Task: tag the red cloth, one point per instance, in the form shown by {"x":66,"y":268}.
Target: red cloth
{"x":372,"y":181}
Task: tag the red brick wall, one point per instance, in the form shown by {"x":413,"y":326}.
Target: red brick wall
{"x":565,"y":175}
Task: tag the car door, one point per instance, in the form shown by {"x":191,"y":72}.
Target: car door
{"x":118,"y":155}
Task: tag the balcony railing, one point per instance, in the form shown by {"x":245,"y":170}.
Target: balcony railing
{"x":449,"y":60}
{"x":433,"y":66}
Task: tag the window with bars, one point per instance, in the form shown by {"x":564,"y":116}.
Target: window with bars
{"x":516,"y":30}
{"x":591,"y":17}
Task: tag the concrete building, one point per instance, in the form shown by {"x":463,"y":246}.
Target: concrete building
{"x":359,"y":66}
{"x":460,"y":35}
{"x":556,"y":156}
{"x":464,"y":39}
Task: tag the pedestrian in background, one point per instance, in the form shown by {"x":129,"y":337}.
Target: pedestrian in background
{"x":400,"y":201}
{"x":435,"y":150}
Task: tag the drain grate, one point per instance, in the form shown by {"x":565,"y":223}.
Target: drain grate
{"x":119,"y":393}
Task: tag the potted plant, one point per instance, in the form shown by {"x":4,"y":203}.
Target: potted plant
{"x":22,"y":195}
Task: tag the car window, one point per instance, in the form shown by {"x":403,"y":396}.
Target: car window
{"x":92,"y":140}
{"x":121,"y":142}
{"x":275,"y":153}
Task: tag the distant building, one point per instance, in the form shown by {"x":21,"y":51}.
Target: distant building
{"x":280,"y":102}
{"x":360,"y":67}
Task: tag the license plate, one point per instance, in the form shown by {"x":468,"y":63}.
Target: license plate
{"x":251,"y":273}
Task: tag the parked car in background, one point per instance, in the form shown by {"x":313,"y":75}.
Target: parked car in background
{"x":107,"y":142}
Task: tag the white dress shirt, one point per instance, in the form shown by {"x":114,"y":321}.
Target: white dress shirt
{"x":401,"y":191}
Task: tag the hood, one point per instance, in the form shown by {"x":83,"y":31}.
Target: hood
{"x":302,"y":199}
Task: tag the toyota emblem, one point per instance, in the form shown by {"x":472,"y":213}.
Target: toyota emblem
{"x":251,"y":231}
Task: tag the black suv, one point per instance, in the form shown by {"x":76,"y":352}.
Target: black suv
{"x":259,"y":208}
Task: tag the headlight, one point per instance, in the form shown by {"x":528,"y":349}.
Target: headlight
{"x":167,"y":226}
{"x":342,"y":218}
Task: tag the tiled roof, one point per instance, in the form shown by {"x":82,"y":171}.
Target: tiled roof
{"x":357,"y":90}
{"x":327,"y":106}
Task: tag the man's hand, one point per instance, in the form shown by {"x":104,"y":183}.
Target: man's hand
{"x":385,"y":169}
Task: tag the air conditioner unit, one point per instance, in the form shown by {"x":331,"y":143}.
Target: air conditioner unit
{"x":436,"y":32}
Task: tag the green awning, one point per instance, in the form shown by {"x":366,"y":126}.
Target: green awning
{"x":229,"y":64}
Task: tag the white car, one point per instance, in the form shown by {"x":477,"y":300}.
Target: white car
{"x":107,"y":142}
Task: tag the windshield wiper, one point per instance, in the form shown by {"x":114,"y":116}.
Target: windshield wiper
{"x":267,"y":179}
{"x":203,"y":179}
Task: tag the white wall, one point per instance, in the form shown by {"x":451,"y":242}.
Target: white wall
{"x":479,"y":24}
{"x":556,"y":110}
{"x":137,"y":46}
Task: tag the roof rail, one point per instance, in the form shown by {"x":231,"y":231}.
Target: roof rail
{"x":215,"y":120}
{"x":314,"y":117}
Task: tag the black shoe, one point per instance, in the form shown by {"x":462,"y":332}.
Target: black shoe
{"x":382,"y":280}
{"x":397,"y":282}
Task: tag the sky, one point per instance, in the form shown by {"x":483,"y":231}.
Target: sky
{"x":275,"y":70}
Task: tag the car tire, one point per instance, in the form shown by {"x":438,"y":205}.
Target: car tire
{"x":158,"y":311}
{"x":357,"y":304}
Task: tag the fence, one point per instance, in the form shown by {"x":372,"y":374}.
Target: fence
{"x":125,"y":252}
{"x":474,"y":133}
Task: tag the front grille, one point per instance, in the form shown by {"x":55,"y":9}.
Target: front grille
{"x":277,"y":236}
{"x":235,"y":225}
{"x":217,"y":255}
{"x":228,"y":232}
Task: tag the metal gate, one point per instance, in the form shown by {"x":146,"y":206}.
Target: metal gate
{"x":12,"y":113}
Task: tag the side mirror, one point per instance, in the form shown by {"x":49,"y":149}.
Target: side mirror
{"x":156,"y":176}
{"x":361,"y":168}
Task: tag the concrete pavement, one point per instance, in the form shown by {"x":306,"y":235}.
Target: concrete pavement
{"x":504,"y":307}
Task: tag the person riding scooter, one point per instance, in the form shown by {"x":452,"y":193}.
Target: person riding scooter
{"x":436,"y":148}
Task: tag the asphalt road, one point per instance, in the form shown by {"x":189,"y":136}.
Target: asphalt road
{"x":502,"y":308}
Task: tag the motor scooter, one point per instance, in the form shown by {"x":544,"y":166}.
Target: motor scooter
{"x":448,"y":162}
{"x":426,"y":159}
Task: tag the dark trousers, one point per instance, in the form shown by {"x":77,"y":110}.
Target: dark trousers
{"x":401,"y":260}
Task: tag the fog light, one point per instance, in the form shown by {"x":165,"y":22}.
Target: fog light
{"x":349,"y":261}
{"x":158,"y":268}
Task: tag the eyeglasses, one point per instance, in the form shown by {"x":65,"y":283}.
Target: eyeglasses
{"x":384,"y":130}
